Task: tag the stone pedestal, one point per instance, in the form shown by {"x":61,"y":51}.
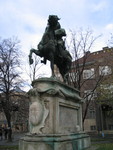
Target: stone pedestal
{"x":55,"y":118}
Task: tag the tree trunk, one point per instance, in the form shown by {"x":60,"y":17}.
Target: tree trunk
{"x":9,"y":127}
{"x":8,"y":117}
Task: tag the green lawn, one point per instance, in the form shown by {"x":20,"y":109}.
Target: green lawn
{"x":105,"y":146}
{"x":100,"y":147}
{"x":8,"y":147}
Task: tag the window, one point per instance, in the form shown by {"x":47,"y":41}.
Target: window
{"x":93,"y":127}
{"x":88,"y":74}
{"x":104,"y":70}
{"x":73,"y":76}
{"x":92,"y":114}
{"x":89,"y":94}
{"x":110,"y":127}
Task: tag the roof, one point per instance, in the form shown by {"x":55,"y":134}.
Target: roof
{"x":106,"y":52}
{"x":18,"y":90}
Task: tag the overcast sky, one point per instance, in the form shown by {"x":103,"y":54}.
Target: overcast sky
{"x":27,"y":19}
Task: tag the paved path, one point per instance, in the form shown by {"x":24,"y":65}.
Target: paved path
{"x":98,"y":139}
{"x":15,"y":139}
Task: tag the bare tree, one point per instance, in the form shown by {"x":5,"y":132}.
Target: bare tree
{"x":34,"y":68}
{"x":105,"y":90}
{"x":80,"y":46}
{"x":20,"y":109}
{"x":110,"y":41}
{"x":9,"y":75}
{"x":82,"y":42}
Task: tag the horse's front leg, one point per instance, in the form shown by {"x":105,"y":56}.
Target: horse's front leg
{"x":30,"y":57}
{"x":37,"y":52}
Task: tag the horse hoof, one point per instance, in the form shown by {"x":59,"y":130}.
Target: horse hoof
{"x":53,"y":76}
{"x":31,"y":61}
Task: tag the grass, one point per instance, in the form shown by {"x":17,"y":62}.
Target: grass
{"x":2,"y":147}
{"x":108,"y":146}
{"x":94,"y":140}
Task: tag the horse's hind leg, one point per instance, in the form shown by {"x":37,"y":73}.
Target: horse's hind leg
{"x":52,"y":69}
{"x":52,"y":65}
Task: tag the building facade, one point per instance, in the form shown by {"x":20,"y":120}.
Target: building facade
{"x":19,"y":113}
{"x":93,"y":76}
{"x":96,"y":77}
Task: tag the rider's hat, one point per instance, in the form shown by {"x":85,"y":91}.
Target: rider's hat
{"x":57,"y":17}
{"x":54,"y":16}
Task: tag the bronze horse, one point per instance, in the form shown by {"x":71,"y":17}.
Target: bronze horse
{"x":48,"y":48}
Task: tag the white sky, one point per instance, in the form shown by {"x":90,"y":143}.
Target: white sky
{"x":27,"y":19}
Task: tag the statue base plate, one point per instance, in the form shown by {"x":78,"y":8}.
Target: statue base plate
{"x":77,"y":141}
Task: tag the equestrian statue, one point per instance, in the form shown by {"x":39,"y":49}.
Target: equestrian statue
{"x":52,"y":48}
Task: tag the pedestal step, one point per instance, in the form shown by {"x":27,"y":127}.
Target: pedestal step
{"x":78,"y":141}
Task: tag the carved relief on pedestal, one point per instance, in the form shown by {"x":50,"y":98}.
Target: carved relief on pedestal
{"x":37,"y":113}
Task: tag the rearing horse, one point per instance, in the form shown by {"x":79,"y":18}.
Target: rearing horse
{"x":48,"y":48}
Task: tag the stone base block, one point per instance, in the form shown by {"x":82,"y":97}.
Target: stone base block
{"x":78,"y":141}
